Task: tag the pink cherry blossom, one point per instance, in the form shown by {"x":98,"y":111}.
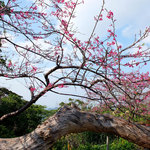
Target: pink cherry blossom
{"x":110,"y":15}
{"x":61,"y":86}
{"x":32,"y":89}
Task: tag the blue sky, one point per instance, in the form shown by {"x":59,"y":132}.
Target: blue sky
{"x":131,"y":15}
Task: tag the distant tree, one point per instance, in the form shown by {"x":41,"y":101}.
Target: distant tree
{"x":42,"y":46}
{"x":23,"y":123}
{"x":2,"y":60}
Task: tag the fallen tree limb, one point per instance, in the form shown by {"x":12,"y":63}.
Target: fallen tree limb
{"x":70,"y":120}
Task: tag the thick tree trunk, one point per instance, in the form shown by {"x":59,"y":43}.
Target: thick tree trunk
{"x":70,"y":120}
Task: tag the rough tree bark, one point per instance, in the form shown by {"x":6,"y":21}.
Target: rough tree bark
{"x":70,"y":120}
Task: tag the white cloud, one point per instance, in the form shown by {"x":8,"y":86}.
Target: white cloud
{"x":131,"y":14}
{"x":147,"y":40}
{"x":19,"y":88}
{"x":128,"y":31}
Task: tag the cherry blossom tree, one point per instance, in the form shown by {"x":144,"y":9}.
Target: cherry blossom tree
{"x":42,"y":45}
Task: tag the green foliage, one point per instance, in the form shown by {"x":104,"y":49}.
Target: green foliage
{"x":97,"y":138}
{"x":116,"y":144}
{"x":122,"y":144}
{"x":60,"y":144}
{"x":79,"y":103}
{"x":132,"y":116}
{"x":2,"y":4}
{"x":2,"y":58}
{"x":23,"y":123}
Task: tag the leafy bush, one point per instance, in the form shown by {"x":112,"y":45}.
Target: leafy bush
{"x":122,"y":144}
{"x":115,"y":144}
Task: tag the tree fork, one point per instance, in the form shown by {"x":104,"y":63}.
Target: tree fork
{"x":70,"y":120}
